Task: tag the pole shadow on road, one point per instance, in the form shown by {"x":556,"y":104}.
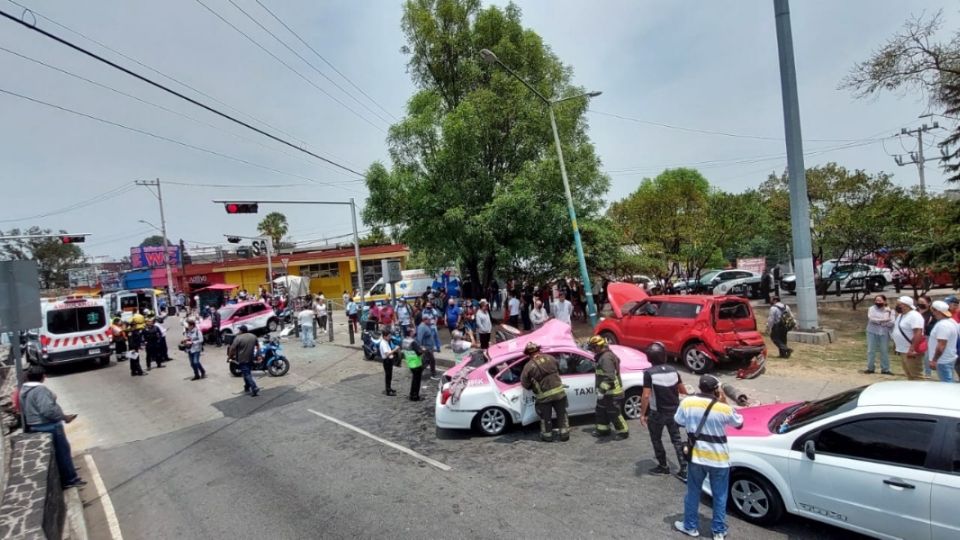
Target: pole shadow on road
{"x":269,"y":398}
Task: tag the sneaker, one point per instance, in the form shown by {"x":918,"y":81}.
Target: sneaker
{"x":600,"y":434}
{"x":622,"y":436}
{"x":389,"y":392}
{"x":682,"y":475}
{"x":195,"y":378}
{"x":720,"y":536}
{"x":434,"y":377}
{"x":678,"y":525}
{"x":888,"y":372}
{"x":255,"y":392}
{"x":415,"y":398}
{"x":660,"y":470}
{"x":868,"y":372}
{"x":78,"y":483}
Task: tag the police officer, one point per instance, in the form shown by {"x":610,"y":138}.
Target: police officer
{"x":609,"y":391}
{"x":542,"y":376}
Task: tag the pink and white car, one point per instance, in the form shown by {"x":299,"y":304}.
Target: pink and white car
{"x":258,"y":317}
{"x":483,"y":392}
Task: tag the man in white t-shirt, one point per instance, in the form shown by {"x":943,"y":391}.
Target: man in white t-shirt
{"x":513,"y":305}
{"x":306,"y":318}
{"x":942,"y":344}
{"x":561,"y":308}
{"x":907,"y":335}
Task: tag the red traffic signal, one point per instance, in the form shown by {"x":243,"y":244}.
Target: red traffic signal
{"x":241,"y":208}
{"x":67,"y":239}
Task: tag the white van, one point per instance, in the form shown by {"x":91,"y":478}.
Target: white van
{"x":126,"y":303}
{"x":72,"y":330}
{"x":413,"y":285}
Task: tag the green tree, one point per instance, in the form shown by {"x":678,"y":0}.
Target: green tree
{"x":154,"y":241}
{"x":474,"y":178}
{"x":275,"y":226}
{"x":53,"y":257}
{"x":376,"y":237}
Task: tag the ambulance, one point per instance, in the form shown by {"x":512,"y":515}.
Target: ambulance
{"x":413,"y":285}
{"x":126,"y":303}
{"x":73,"y":329}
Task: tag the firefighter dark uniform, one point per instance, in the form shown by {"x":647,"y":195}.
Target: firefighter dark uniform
{"x":609,"y":389}
{"x":542,"y":376}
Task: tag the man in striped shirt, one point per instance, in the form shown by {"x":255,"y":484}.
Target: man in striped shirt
{"x":711,"y":456}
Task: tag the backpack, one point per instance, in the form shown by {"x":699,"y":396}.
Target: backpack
{"x":787,"y":320}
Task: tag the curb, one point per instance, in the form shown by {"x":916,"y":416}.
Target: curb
{"x":75,"y":526}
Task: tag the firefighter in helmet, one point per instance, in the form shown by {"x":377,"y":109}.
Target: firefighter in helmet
{"x":542,"y":376}
{"x":609,"y":391}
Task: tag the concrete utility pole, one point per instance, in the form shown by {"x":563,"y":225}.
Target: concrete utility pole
{"x":917,"y":157}
{"x":799,"y":202}
{"x":163,"y":232}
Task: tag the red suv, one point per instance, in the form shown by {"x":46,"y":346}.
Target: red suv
{"x":700,"y":331}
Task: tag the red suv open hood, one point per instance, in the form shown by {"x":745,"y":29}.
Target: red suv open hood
{"x":621,"y":293}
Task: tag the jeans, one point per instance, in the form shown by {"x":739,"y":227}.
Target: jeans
{"x":945,"y":372}
{"x":719,"y":481}
{"x":61,"y":450}
{"x":656,"y":422}
{"x":195,"y":364}
{"x":248,"y":382}
{"x":436,"y":337}
{"x":877,"y":343}
{"x":306,"y":335}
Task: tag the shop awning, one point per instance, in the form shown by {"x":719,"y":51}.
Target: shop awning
{"x":218,"y":287}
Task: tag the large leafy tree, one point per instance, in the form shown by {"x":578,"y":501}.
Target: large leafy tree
{"x":53,"y":257}
{"x":474,"y":178}
{"x":154,"y":241}
{"x":275,"y":226}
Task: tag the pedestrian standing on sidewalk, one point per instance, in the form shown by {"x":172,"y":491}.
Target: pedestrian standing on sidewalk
{"x":879,"y":323}
{"x":352,"y":310}
{"x":484,"y":324}
{"x":215,"y":326}
{"x":193,"y":340}
{"x":307,"y":317}
{"x":244,"y":351}
{"x":538,"y":315}
{"x":388,"y":356}
{"x":942,"y":344}
{"x":452,"y":316}
{"x":907,"y":336}
{"x":413,"y":355}
{"x":513,"y":310}
{"x":923,"y":308}
{"x":405,"y":317}
{"x":777,"y":325}
{"x":708,"y":414}
{"x":119,"y":337}
{"x":662,"y":388}
{"x":561,"y":308}
{"x":43,"y":415}
{"x":424,"y":337}
{"x":431,"y":316}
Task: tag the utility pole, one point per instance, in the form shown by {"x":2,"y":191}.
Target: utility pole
{"x":917,"y":157}
{"x":799,"y":203}
{"x":163,"y":231}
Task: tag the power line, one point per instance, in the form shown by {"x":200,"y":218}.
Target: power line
{"x":307,"y":62}
{"x":168,"y":139}
{"x":174,"y":92}
{"x":158,"y":72}
{"x":321,"y":57}
{"x":105,"y":196}
{"x":232,"y":186}
{"x":286,"y":65}
{"x":150,"y":103}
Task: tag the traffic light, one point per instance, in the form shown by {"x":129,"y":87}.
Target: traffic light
{"x":67,"y":239}
{"x":233,"y":239}
{"x":241,"y":208}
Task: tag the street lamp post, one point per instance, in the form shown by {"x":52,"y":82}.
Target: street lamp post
{"x":166,"y":255}
{"x":489,"y":57}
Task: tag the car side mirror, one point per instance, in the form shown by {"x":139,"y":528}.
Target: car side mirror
{"x":810,"y":450}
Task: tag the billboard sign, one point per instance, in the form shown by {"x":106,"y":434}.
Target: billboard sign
{"x":152,"y":257}
{"x":754,"y":264}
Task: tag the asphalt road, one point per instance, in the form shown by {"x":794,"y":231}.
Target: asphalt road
{"x":182,"y":459}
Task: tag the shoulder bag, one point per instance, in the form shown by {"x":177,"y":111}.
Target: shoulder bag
{"x":921,"y":348}
{"x":687,"y":448}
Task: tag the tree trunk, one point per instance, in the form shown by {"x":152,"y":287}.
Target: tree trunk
{"x":472,"y":266}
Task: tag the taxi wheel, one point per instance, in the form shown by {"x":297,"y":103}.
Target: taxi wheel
{"x":492,"y":421}
{"x":631,"y":404}
{"x":754,"y":498}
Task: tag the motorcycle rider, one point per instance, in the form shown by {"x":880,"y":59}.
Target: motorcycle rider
{"x":609,"y":391}
{"x":542,"y":376}
{"x":244,"y":351}
{"x":662,"y":388}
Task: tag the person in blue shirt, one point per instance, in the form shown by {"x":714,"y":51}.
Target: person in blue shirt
{"x":430,"y":315}
{"x":425,"y":337}
{"x":453,"y":316}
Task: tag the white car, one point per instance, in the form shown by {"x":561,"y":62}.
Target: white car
{"x":882,"y":460}
{"x":484,"y":393}
{"x":747,"y":286}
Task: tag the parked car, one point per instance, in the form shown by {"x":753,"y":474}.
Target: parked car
{"x":882,"y":460}
{"x":851,"y":276}
{"x":746,"y":287}
{"x":922,"y":279}
{"x":257,"y":316}
{"x":700,"y":331}
{"x":483,"y":391}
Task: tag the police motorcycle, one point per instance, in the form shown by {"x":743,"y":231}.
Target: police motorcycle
{"x":271,"y":359}
{"x":371,"y":341}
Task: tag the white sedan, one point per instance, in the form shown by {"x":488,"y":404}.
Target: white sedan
{"x":882,"y":460}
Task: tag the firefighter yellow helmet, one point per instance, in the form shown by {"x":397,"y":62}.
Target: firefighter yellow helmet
{"x":531,"y":348}
{"x":596,"y":343}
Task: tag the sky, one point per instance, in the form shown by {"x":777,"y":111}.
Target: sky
{"x":684,"y":84}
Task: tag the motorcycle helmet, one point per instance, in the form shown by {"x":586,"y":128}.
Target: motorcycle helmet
{"x":656,"y":353}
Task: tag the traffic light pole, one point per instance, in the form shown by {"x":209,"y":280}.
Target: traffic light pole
{"x":166,"y":245}
{"x":353,"y":216}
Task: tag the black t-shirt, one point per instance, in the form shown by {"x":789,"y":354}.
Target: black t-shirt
{"x":662,"y":380}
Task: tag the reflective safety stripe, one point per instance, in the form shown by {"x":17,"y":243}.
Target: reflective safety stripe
{"x":549,"y":393}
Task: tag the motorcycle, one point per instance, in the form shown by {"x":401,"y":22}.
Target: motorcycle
{"x":371,"y":342}
{"x":271,"y":359}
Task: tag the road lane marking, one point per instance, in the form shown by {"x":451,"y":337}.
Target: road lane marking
{"x":395,"y":446}
{"x":104,"y":497}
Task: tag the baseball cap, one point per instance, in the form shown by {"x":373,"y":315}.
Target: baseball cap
{"x":709,"y":383}
{"x":952,"y":299}
{"x":905,"y":300}
{"x":942,"y":307}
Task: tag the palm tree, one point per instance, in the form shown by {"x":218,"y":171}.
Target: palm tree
{"x":274,"y":225}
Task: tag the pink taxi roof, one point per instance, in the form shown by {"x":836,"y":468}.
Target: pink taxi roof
{"x":552,"y":334}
